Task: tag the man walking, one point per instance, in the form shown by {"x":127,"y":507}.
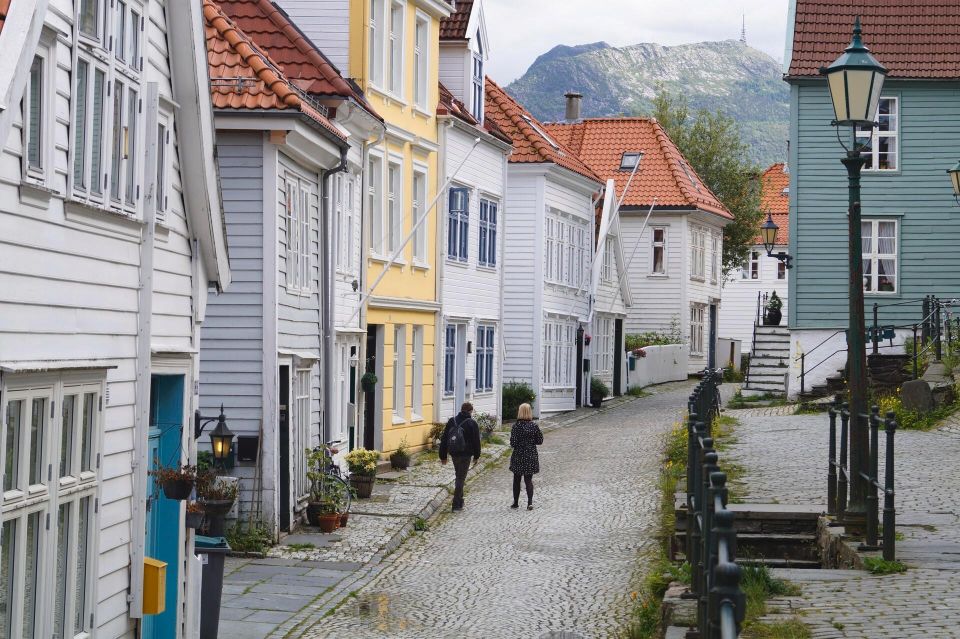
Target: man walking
{"x":461,"y":439}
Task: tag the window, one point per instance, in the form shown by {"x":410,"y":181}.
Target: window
{"x":478,"y":93}
{"x":343,"y":202}
{"x":419,"y":209}
{"x":458,"y":224}
{"x":484,"y":363}
{"x":127,"y":25}
{"x":658,"y":263}
{"x":880,"y":142}
{"x":88,"y":97}
{"x":488,"y":233}
{"x":395,"y":62}
{"x":559,"y":343}
{"x":375,"y":51}
{"x":603,"y":346}
{"x":751,"y":267}
{"x":566,"y":251}
{"x":697,"y":252}
{"x":301,"y":429}
{"x":421,"y":51}
{"x":416,"y":367}
{"x":606,"y":272}
{"x":629,"y":161}
{"x":51,"y":473}
{"x":450,"y":359}
{"x":120,"y":31}
{"x":375,"y":204}
{"x":399,"y":363}
{"x":163,"y":155}
{"x":33,"y":120}
{"x":879,"y":256}
{"x":394,"y":207}
{"x":781,"y":270}
{"x":696,"y":328}
{"x":89,"y":18}
{"x":298,"y":202}
{"x":714,"y":258}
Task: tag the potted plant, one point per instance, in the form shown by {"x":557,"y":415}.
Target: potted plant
{"x":598,"y":391}
{"x":773,"y":315}
{"x":194,"y":515}
{"x":400,"y":458}
{"x":368,"y":382}
{"x":363,"y":470}
{"x":322,"y":508}
{"x":217,"y":494}
{"x":176,"y":482}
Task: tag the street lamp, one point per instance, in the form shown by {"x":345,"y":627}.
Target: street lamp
{"x":768,"y":231}
{"x":221,"y":437}
{"x":955,"y":180}
{"x":855,"y":80}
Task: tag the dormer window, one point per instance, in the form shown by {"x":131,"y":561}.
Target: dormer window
{"x":477,"y":105}
{"x":630,"y":160}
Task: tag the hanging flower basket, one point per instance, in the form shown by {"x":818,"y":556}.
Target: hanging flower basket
{"x":178,"y":489}
{"x":175,"y":481}
{"x":194,"y":519}
{"x":368,"y":382}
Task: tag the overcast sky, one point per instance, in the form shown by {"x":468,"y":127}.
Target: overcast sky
{"x":521,"y":30}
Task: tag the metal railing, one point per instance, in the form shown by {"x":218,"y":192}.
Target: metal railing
{"x":711,"y":536}
{"x":838,"y":477}
{"x":753,"y":340}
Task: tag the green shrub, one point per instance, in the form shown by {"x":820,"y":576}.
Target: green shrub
{"x":487,"y":423}
{"x":880,"y":566}
{"x":909,"y":419}
{"x":656,"y":338}
{"x":250,"y":537}
{"x":514,"y":394}
{"x":597,"y":387}
{"x":730,"y":374}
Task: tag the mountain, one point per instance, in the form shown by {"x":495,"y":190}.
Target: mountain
{"x":729,"y":76}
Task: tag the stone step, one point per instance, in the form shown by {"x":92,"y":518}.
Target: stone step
{"x":765,"y":387}
{"x":809,"y":564}
{"x":772,"y":330}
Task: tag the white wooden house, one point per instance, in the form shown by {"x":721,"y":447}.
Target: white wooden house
{"x":548,"y":253}
{"x":674,"y":254}
{"x":111,"y":235}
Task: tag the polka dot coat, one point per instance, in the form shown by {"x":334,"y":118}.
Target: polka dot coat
{"x":524,"y":438}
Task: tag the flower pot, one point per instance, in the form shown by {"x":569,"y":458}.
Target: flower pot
{"x":326,"y":522}
{"x":178,"y":489}
{"x":193,"y":520}
{"x":217,"y":507}
{"x":399,"y":462}
{"x":596,"y":400}
{"x":363,"y":484}
{"x":343,"y":519}
{"x":773,"y":317}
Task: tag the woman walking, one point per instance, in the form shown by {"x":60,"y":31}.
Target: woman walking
{"x":524,"y":461}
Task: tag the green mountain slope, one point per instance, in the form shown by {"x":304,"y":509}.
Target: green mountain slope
{"x":730,"y":76}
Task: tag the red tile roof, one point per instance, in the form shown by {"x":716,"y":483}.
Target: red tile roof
{"x":912,"y":38}
{"x":295,"y":54}
{"x":4,"y":10}
{"x":243,"y":77}
{"x":531,"y":143}
{"x":454,"y":27}
{"x":449,"y":105}
{"x":775,"y":198}
{"x":664,"y":173}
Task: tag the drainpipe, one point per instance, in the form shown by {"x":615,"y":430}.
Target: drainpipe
{"x":327,"y":299}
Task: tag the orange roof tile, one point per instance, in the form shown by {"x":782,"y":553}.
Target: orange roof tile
{"x":449,"y":105}
{"x":664,"y":173}
{"x":912,"y":38}
{"x":454,"y":27}
{"x":775,"y":199}
{"x":531,"y":142}
{"x":243,"y":77}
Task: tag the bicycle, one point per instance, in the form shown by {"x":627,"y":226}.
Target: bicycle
{"x":332,"y":472}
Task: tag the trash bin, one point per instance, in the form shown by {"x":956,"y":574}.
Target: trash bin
{"x":215,"y":550}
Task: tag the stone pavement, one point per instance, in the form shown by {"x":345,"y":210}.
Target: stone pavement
{"x":567,"y":566}
{"x":785,"y":461}
{"x":295,"y":586}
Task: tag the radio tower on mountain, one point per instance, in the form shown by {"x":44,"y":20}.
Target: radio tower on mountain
{"x":743,"y":30}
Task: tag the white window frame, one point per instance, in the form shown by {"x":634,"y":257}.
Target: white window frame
{"x":38,"y":173}
{"x":337,"y":195}
{"x":45,"y":500}
{"x":421,"y":61}
{"x":603,"y":346}
{"x":164,"y":162}
{"x":781,"y":270}
{"x":376,"y":33}
{"x":485,"y":354}
{"x":487,"y":222}
{"x":559,"y":350}
{"x":751,"y":267}
{"x":714,"y":258}
{"x":399,"y":373}
{"x":654,"y":245}
{"x":375,"y":178}
{"x":419,"y":204}
{"x":90,"y":185}
{"x":606,"y":270}
{"x":416,"y":369}
{"x":873,"y":255}
{"x":697,"y":324}
{"x":566,"y":250}
{"x":396,"y":47}
{"x":697,"y":253}
{"x":873,"y":136}
{"x":298,"y":197}
{"x":477,"y":81}
{"x":450,"y":360}
{"x":302,"y":431}
{"x":394,"y":221}
{"x":458,"y":225}
{"x":98,"y":19}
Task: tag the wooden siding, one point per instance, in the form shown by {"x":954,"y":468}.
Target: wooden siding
{"x":918,"y":195}
{"x":455,"y":66}
{"x":739,"y":308}
{"x":327,"y":24}
{"x":657,"y":299}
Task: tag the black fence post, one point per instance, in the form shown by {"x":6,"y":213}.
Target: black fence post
{"x":842,"y":480}
{"x":939,"y":329}
{"x":947,"y":323}
{"x":925,"y":328}
{"x":803,"y":370}
{"x":889,"y":511}
{"x":873,"y":471}
{"x":832,"y":466}
{"x":876,"y":328}
{"x":915,"y":374}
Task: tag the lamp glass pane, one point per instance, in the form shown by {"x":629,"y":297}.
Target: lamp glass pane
{"x":838,"y":95}
{"x":875,"y":100}
{"x":860,"y":95}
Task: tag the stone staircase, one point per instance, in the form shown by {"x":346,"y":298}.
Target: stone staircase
{"x":769,"y":361}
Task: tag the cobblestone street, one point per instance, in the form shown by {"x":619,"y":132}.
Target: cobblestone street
{"x":568,"y":565}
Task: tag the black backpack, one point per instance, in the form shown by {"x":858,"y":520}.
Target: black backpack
{"x":456,"y":438}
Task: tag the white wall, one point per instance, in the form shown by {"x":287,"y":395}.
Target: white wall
{"x":657,"y":299}
{"x":739,"y":308}
{"x":327,"y":24}
{"x":661,"y":364}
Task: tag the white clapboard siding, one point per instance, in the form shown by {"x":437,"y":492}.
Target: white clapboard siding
{"x":522,"y":268}
{"x":327,"y":24}
{"x":739,"y":309}
{"x":657,"y":299}
{"x":455,"y":67}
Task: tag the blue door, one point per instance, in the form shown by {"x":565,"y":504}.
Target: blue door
{"x":163,"y":528}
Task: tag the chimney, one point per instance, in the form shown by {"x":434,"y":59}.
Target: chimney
{"x":573,"y":106}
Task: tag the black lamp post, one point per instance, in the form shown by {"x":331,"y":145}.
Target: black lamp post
{"x":768,"y":231}
{"x":221,"y":437}
{"x":855,"y":80}
{"x":955,"y":181}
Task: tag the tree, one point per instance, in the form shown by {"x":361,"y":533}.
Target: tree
{"x":712,"y":144}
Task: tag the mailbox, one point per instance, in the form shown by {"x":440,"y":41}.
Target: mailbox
{"x":154,"y":586}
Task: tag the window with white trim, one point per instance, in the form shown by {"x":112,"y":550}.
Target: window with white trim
{"x":697,"y":252}
{"x":419,"y":208}
{"x":658,"y":251}
{"x":714,"y":258}
{"x":375,"y":203}
{"x":751,"y":266}
{"x":606,"y":271}
{"x":421,"y":61}
{"x":458,"y":224}
{"x":697,"y":313}
{"x":89,"y":94}
{"x":483,"y":382}
{"x":298,"y":203}
{"x":124,"y":190}
{"x":879,"y":256}
{"x":487,"y":228}
{"x":90,"y":19}
{"x":399,"y":364}
{"x":603,"y":346}
{"x":566,"y":251}
{"x":34,"y":120}
{"x":52,"y":427}
{"x":394,"y":206}
{"x":881,"y":148}
{"x":450,"y":359}
{"x":781,"y":270}
{"x":416,"y":369}
{"x":343,"y":204}
{"x":164,"y":157}
{"x":559,"y":348}
{"x":375,"y":34}
{"x":302,"y":439}
{"x":477,"y":82}
{"x":395,"y":62}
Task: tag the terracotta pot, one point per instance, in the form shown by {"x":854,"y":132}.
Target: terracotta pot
{"x":399,"y":462}
{"x":193,"y":520}
{"x":343,"y":519}
{"x":363,"y":484}
{"x":328,"y":522}
{"x":178,"y":489}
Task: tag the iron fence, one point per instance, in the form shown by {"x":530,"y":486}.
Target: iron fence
{"x":711,"y":536}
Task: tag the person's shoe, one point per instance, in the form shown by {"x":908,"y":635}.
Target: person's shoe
{"x":457,"y":509}
{"x":514,"y":505}
{"x":529,"y":506}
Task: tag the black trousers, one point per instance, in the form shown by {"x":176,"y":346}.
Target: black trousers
{"x":528,"y":481}
{"x":461,"y":464}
